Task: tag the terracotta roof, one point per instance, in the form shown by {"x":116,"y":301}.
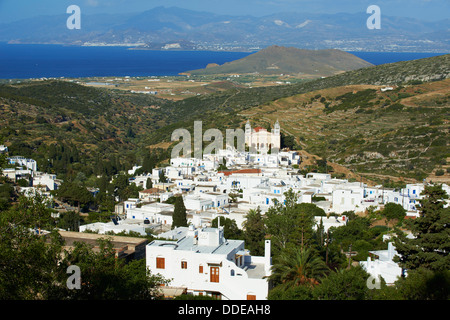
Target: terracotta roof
{"x":257,"y":129}
{"x":152,"y":190}
{"x":230,"y":172}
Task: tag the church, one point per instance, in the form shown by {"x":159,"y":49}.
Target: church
{"x":261,"y":140}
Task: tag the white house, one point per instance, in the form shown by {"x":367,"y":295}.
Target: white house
{"x":205,"y":263}
{"x":329,"y":222}
{"x":197,"y":203}
{"x":383,"y":266}
{"x":115,"y":226}
{"x":45,"y":179}
{"x":151,"y":194}
{"x":130,"y":203}
{"x":154,"y":212}
{"x":17,"y":174}
{"x":22,"y":161}
{"x":347,"y":199}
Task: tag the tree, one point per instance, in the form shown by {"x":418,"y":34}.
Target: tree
{"x":297,"y":267}
{"x":422,"y":284}
{"x":179,"y":213}
{"x":149,"y":183}
{"x":230,"y":228}
{"x":430,"y":248}
{"x":74,"y":193}
{"x":344,"y":284}
{"x":254,"y":232}
{"x":104,"y":277}
{"x":281,"y":292}
{"x":148,"y":163}
{"x":279,"y":224}
{"x":29,"y":263}
{"x":290,"y":224}
{"x":35,"y":212}
{"x":394,"y":211}
{"x":162,"y":177}
{"x":306,"y":221}
{"x":69,"y":221}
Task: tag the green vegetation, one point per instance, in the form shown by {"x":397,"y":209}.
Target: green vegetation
{"x":360,"y":99}
{"x":429,"y":249}
{"x":179,"y":213}
{"x":277,"y":60}
{"x":90,"y":137}
{"x":34,"y":267}
{"x":305,"y":273}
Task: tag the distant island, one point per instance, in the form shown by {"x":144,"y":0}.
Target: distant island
{"x":276,"y":60}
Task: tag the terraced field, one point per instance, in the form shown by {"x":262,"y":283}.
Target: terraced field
{"x":396,"y":133}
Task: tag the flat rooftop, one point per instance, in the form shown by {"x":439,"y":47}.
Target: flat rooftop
{"x":117,"y":241}
{"x":187,"y":244}
{"x":255,"y":270}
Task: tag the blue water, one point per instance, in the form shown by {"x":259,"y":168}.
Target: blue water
{"x":35,"y":61}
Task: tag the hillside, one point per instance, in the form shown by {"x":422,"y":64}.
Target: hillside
{"x":381,"y":135}
{"x":345,"y":118}
{"x":68,"y":128}
{"x":288,"y":60}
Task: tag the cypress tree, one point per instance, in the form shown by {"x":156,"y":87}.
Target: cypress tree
{"x":179,"y":213}
{"x":430,"y":248}
{"x":149,"y":183}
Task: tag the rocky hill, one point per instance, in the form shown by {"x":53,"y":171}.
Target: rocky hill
{"x":288,"y":60}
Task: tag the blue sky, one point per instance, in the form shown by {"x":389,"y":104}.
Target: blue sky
{"x":430,"y":10}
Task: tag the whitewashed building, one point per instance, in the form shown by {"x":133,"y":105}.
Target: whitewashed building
{"x":22,"y":161}
{"x":205,"y":263}
{"x":45,"y":179}
{"x":260,"y":139}
{"x":383,"y":265}
{"x":153,"y":212}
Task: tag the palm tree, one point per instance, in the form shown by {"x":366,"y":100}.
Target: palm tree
{"x":298,"y":267}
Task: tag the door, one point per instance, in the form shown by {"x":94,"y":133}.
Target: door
{"x":214,"y":276}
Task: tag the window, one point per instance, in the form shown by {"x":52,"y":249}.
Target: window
{"x":160,"y":263}
{"x":183,"y":264}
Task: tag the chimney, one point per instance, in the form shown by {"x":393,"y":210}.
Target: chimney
{"x":390,"y":251}
{"x":267,"y":258}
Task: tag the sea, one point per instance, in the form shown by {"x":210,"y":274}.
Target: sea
{"x":26,"y":61}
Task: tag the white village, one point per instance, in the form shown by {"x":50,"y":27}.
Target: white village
{"x":198,"y":258}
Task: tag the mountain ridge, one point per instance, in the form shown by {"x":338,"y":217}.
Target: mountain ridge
{"x":344,"y":31}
